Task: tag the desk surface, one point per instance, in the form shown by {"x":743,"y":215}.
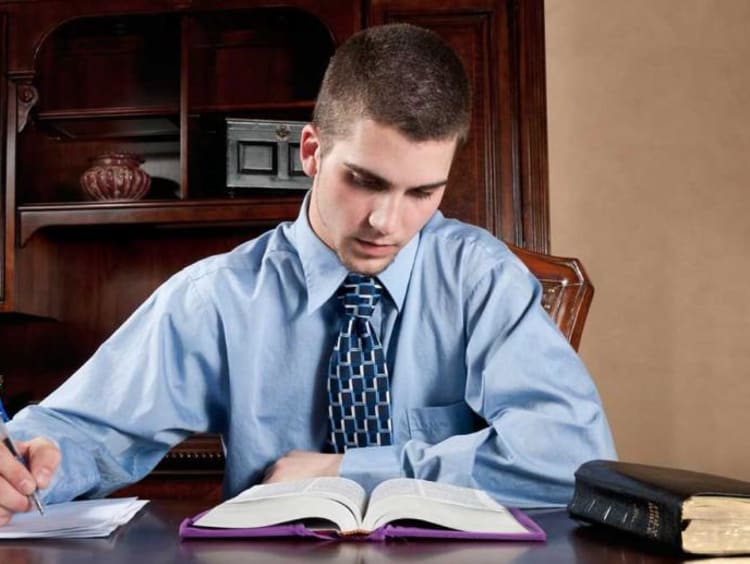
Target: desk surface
{"x":152,"y":537}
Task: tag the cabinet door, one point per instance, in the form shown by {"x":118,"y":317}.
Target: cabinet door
{"x":3,"y":206}
{"x":499,"y":179}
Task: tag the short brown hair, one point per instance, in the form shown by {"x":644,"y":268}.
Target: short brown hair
{"x":398,"y":75}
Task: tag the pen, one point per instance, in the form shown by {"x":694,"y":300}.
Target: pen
{"x":8,"y":442}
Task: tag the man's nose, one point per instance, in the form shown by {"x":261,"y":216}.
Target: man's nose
{"x":384,"y":216}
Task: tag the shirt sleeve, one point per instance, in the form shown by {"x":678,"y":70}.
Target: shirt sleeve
{"x":156,"y":380}
{"x":539,"y":411}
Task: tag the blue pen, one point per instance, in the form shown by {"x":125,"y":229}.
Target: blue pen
{"x":8,"y":442}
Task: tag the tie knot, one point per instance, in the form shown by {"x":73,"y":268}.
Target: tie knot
{"x":360,"y":294}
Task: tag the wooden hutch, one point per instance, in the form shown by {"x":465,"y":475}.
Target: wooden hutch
{"x":159,"y":78}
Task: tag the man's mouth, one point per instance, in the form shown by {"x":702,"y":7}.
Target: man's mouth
{"x":375,"y":249}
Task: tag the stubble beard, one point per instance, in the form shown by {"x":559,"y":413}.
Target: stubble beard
{"x":350,"y":265}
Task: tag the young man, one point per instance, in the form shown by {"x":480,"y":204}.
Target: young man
{"x":441,"y":328}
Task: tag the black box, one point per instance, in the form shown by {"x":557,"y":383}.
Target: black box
{"x":264,"y":154}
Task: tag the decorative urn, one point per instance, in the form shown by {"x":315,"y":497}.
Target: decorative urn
{"x":116,"y":176}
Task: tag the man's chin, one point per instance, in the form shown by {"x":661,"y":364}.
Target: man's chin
{"x":368,"y":266}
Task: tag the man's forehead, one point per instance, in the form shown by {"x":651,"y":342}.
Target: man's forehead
{"x":373,"y":138}
{"x":364,"y":123}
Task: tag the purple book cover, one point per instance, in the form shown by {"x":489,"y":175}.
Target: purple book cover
{"x":533,"y":532}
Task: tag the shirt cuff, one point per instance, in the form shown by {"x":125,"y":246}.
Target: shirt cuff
{"x":371,"y":465}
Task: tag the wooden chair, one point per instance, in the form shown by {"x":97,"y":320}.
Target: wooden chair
{"x":567,"y":290}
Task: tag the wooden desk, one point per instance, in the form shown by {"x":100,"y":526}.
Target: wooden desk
{"x":151,"y":538}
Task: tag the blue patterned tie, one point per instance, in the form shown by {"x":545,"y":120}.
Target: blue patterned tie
{"x":359,"y":412}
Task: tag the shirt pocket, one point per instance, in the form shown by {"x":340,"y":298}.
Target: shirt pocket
{"x":436,"y":423}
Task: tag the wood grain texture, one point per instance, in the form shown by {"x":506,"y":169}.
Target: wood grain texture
{"x":158,"y":78}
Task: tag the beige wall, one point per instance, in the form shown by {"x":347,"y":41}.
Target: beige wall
{"x":649,"y":142}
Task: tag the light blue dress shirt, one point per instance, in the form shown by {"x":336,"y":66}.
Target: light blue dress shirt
{"x":485,"y":390}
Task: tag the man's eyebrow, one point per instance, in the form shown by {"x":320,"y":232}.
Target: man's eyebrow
{"x":380,"y":180}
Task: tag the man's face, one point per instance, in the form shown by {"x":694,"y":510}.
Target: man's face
{"x":373,"y":191}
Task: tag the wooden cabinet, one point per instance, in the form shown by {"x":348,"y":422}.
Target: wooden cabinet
{"x":159,"y":78}
{"x":499,"y":180}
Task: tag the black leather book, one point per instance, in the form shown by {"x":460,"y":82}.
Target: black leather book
{"x":690,"y":511}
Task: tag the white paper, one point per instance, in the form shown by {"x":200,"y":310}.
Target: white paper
{"x":74,"y":519}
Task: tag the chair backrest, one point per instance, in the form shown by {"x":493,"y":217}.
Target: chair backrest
{"x":567,"y":290}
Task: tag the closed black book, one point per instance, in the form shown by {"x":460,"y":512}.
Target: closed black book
{"x":690,"y":511}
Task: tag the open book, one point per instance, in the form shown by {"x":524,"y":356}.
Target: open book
{"x":335,"y":507}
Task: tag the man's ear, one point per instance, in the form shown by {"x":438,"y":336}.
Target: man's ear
{"x":309,"y":150}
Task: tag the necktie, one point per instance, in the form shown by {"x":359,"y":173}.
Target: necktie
{"x":359,"y":412}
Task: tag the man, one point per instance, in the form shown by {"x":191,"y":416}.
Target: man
{"x":452,"y":332}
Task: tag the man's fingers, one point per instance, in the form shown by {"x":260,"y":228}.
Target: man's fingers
{"x":43,"y":458}
{"x":11,"y":500}
{"x":17,"y":482}
{"x":15,"y":474}
{"x":301,"y":464}
{"x":270,"y":474}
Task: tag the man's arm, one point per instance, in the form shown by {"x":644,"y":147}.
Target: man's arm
{"x":542,"y":412}
{"x":159,"y":378}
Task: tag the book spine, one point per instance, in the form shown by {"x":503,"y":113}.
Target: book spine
{"x":644,"y":517}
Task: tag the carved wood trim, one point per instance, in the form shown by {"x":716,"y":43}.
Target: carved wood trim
{"x":200,"y":453}
{"x":26,"y":98}
{"x":532,"y":114}
{"x":567,"y":290}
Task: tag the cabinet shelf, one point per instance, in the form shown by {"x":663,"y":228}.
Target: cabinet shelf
{"x":254,"y":107}
{"x":246,"y":211}
{"x":104,"y":123}
{"x":98,"y":113}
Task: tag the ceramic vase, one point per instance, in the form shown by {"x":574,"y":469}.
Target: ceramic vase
{"x":116,"y":176}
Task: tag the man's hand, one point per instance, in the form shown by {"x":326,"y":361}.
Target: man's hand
{"x":301,"y":464}
{"x":17,"y":483}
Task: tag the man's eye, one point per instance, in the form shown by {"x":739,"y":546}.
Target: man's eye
{"x":359,"y":180}
{"x":421,"y":194}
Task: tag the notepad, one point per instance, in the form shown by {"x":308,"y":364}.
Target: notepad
{"x":74,"y":519}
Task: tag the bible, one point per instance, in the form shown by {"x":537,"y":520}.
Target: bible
{"x":695,"y":512}
{"x":338,"y":508}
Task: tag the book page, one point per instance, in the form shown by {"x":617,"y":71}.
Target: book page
{"x":346,"y":491}
{"x":343,"y":490}
{"x":446,"y":505}
{"x":445,"y":493}
{"x":722,"y":536}
{"x":716,"y":507}
{"x":337,"y":500}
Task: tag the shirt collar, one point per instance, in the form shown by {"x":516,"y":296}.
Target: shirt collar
{"x":324,"y":272}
